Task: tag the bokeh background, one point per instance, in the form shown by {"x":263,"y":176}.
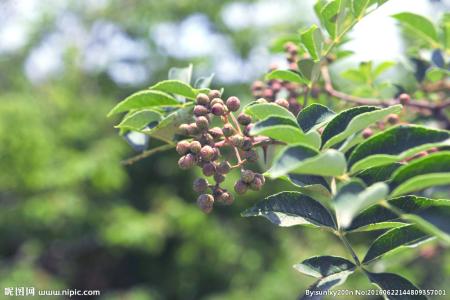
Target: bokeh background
{"x":71,"y":216}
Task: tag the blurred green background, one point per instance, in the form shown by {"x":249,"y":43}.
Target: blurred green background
{"x":71,"y":216}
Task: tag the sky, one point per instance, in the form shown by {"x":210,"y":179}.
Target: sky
{"x":374,"y":38}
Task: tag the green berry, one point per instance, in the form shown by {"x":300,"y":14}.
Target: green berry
{"x":205,"y":202}
{"x":200,"y":185}
{"x":182,"y":147}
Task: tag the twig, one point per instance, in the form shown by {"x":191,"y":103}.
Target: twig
{"x":423,"y":104}
{"x":147,"y":153}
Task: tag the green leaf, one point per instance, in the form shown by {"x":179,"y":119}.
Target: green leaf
{"x":379,"y":217}
{"x":285,"y":130}
{"x":434,"y":220}
{"x":308,"y":180}
{"x":181,"y":74}
{"x":314,"y":116}
{"x":291,"y":208}
{"x":428,"y":171}
{"x":204,"y":82}
{"x":354,"y":75}
{"x":352,"y":121}
{"x":395,"y":144}
{"x":176,"y":87}
{"x":329,"y":14}
{"x":300,"y":159}
{"x":167,"y":129}
{"x":286,"y":75}
{"x":331,"y":271}
{"x":383,"y":67}
{"x":358,"y":7}
{"x":353,"y":196}
{"x":140,"y":119}
{"x":379,"y":173}
{"x":420,"y":25}
{"x":404,"y":236}
{"x":144,"y":99}
{"x":392,"y":282}
{"x":261,"y":111}
{"x":312,"y":40}
{"x":309,"y":70}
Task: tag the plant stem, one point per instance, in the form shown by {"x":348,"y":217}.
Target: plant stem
{"x":147,"y":153}
{"x":347,"y":245}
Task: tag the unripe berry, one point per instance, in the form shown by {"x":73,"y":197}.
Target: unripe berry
{"x":218,"y":178}
{"x":228,"y":130}
{"x":183,"y":129}
{"x":251,"y":156}
{"x":257,"y":85}
{"x":187,"y":161}
{"x":240,"y":187}
{"x":206,"y":139}
{"x":195,"y":147}
{"x":202,"y":123}
{"x":282,"y":102}
{"x":202,"y":99}
{"x":207,"y":153}
{"x":205,"y":202}
{"x":208,"y":169}
{"x":218,"y":109}
{"x":244,"y":119}
{"x":182,"y":147}
{"x":216,"y":100}
{"x":367,"y":133}
{"x":248,"y":128}
{"x":200,"y":185}
{"x":215,"y":132}
{"x":247,"y":144}
{"x":256,"y":184}
{"x":404,"y":99}
{"x":392,"y":119}
{"x":223,"y":168}
{"x":200,"y":110}
{"x":247,"y":176}
{"x":214,"y":94}
{"x":193,"y":129}
{"x":236,"y":140}
{"x":233,"y":103}
{"x":226,"y":198}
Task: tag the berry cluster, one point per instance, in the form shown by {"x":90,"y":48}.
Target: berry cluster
{"x":281,"y":92}
{"x":203,"y":149}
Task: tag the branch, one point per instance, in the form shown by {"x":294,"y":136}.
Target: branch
{"x":147,"y":153}
{"x":422,"y":104}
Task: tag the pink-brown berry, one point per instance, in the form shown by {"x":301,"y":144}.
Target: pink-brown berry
{"x":200,"y":185}
{"x":193,"y":129}
{"x":214,"y":94}
{"x":202,"y":123}
{"x":223,"y":168}
{"x":183,"y":129}
{"x":200,"y":110}
{"x":244,"y":119}
{"x":195,"y":147}
{"x":207,"y":153}
{"x":208,"y":169}
{"x":240,"y":187}
{"x":187,"y":161}
{"x":404,"y":99}
{"x":228,"y":130}
{"x":256,"y":184}
{"x":205,"y":202}
{"x":226,"y":198}
{"x":251,"y":156}
{"x":182,"y":147}
{"x":247,"y":176}
{"x":216,"y":132}
{"x":233,"y":103}
{"x":367,"y":133}
{"x":218,"y":178}
{"x":392,"y":119}
{"x":202,"y":99}
{"x":282,"y":102}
